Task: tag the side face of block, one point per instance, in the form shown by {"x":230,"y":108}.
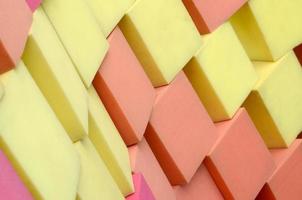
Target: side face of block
{"x":79,"y":33}
{"x":54,"y":73}
{"x":142,"y":190}
{"x":33,"y":4}
{"x":163,"y":41}
{"x":222,"y":76}
{"x":30,"y":132}
{"x":108,"y":143}
{"x":239,"y":170}
{"x":180,"y":132}
{"x":125,"y":89}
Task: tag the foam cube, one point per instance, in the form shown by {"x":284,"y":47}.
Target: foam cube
{"x":269,"y":29}
{"x":95,"y":180}
{"x":34,"y":139}
{"x":298,"y":52}
{"x":125,"y":89}
{"x":180,"y":131}
{"x":201,"y":185}
{"x":275,"y":102}
{"x":286,"y":181}
{"x":108,"y":143}
{"x":11,"y":187}
{"x":142,"y":190}
{"x":239,"y":162}
{"x":79,"y":33}
{"x":54,"y":73}
{"x":163,"y":37}
{"x":222,"y":76}
{"x":15,"y":23}
{"x":210,"y":14}
{"x":143,"y":161}
{"x":33,"y":4}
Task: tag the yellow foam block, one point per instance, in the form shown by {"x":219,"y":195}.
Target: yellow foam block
{"x":275,"y":103}
{"x":56,"y":76}
{"x":80,"y":34}
{"x":109,"y":143}
{"x":221,"y":73}
{"x":95,"y":180}
{"x":109,"y":12}
{"x":163,"y":37}
{"x":34,"y":139}
{"x":269,"y":29}
{"x":1,"y":91}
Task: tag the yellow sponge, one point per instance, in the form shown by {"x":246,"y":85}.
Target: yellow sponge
{"x":221,"y":73}
{"x":268,"y":29}
{"x":163,"y":37}
{"x":56,"y":76}
{"x":95,"y":180}
{"x":34,"y":139}
{"x":79,"y":33}
{"x":275,"y":103}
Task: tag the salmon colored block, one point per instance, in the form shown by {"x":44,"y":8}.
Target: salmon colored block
{"x":33,"y":4}
{"x":125,"y":89}
{"x":15,"y":22}
{"x":286,"y":181}
{"x":298,"y":51}
{"x":201,"y":186}
{"x":239,"y":162}
{"x":142,"y":190}
{"x":180,"y":131}
{"x":276,"y":108}
{"x":143,"y":161}
{"x":11,"y":187}
{"x":209,"y":14}
{"x":163,"y":37}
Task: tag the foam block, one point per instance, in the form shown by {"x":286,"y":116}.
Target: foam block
{"x":11,"y":187}
{"x":125,"y":89}
{"x":142,"y":190}
{"x":180,"y":131}
{"x":201,"y":185}
{"x":259,"y":24}
{"x":209,"y":14}
{"x":239,"y":162}
{"x":298,"y":52}
{"x":35,"y":141}
{"x":44,"y":57}
{"x":95,"y":180}
{"x":33,"y":4}
{"x":163,"y":37}
{"x":286,"y":181}
{"x":15,"y":23}
{"x":79,"y":33}
{"x":108,"y":143}
{"x":274,"y":107}
{"x":222,"y":76}
{"x":143,"y":161}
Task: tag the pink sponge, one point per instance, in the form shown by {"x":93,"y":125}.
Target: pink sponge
{"x":33,"y":4}
{"x":142,"y":190}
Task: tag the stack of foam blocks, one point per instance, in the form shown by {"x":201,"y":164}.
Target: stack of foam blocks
{"x":150,"y":99}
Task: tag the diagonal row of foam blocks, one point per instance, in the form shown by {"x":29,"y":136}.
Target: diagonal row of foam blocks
{"x":150,"y":99}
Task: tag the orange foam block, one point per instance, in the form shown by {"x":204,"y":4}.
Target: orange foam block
{"x":142,"y":190}
{"x":239,"y":162}
{"x":125,"y":89}
{"x":286,"y":181}
{"x":298,"y":52}
{"x":15,"y":21}
{"x":33,"y":4}
{"x":180,"y":131}
{"x":202,"y":186}
{"x":143,"y":161}
{"x":209,"y":14}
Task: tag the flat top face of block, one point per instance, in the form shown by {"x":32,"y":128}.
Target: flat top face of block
{"x":79,"y":33}
{"x":33,"y":4}
{"x":28,"y":136}
{"x":142,"y":190}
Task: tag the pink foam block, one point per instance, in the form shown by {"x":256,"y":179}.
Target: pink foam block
{"x":125,"y":89}
{"x":286,"y":181}
{"x":239,"y":162}
{"x":209,"y":14}
{"x":201,"y":186}
{"x":143,"y":161}
{"x":180,"y":131}
{"x":298,"y":51}
{"x":11,"y":187}
{"x":15,"y":22}
{"x":142,"y":190}
{"x":33,"y":4}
